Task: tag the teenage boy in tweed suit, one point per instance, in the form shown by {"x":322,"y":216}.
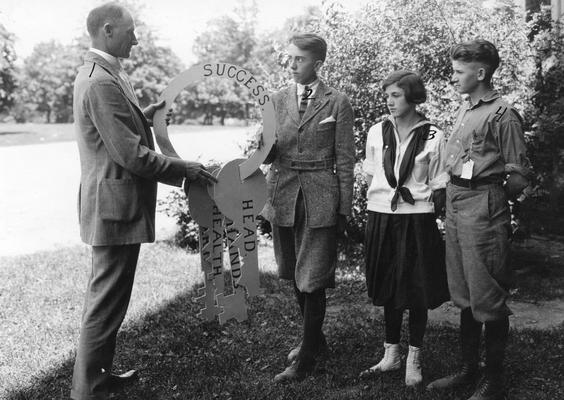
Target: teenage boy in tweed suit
{"x":310,"y":186}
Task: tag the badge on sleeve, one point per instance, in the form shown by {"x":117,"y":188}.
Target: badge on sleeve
{"x":467,"y":167}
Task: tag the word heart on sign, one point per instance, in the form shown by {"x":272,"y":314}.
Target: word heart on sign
{"x":210,"y":220}
{"x":233,"y":305}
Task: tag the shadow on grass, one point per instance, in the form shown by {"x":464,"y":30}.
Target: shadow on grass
{"x":181,"y":357}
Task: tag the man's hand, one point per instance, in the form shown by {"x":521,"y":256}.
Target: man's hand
{"x":196,"y":172}
{"x":514,"y":185}
{"x":149,"y":112}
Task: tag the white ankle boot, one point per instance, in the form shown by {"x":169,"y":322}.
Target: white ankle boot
{"x":390,"y":362}
{"x":413,"y":367}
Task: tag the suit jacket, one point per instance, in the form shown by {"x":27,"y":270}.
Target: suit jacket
{"x":119,"y":167}
{"x":327,"y":191}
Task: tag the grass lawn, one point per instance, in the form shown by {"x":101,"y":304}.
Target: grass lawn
{"x":181,"y":357}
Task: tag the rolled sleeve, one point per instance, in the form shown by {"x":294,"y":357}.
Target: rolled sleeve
{"x":512,"y":145}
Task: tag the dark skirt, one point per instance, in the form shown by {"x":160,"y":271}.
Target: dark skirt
{"x":405,"y":261}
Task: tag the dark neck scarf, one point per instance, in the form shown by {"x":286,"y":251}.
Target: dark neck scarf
{"x":415,"y":147}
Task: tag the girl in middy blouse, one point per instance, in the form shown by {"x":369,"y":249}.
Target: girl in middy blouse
{"x":405,"y":267}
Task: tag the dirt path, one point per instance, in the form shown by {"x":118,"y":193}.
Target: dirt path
{"x":540,"y":315}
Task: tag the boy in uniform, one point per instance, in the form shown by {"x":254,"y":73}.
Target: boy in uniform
{"x":486,"y":160}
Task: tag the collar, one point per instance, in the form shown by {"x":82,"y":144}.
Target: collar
{"x":486,"y":98}
{"x":421,"y":122}
{"x":313,"y":86}
{"x":114,"y":61}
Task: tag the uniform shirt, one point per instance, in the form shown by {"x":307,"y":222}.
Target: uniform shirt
{"x":425,"y":176}
{"x":490,"y":133}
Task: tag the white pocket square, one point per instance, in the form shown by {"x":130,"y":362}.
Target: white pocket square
{"x":327,"y":120}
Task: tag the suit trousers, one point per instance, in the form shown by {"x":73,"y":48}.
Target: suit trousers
{"x":107,"y":298}
{"x":305,"y":255}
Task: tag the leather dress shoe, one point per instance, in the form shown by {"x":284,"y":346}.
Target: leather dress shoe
{"x":297,"y":371}
{"x":321,"y":351}
{"x":117,"y":382}
{"x":489,"y":389}
{"x":466,"y":376}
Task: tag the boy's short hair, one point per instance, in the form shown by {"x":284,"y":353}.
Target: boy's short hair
{"x":478,"y":50}
{"x":312,"y":43}
{"x":411,"y":83}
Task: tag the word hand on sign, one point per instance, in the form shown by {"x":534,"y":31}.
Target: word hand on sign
{"x":241,"y":201}
{"x":234,"y":305}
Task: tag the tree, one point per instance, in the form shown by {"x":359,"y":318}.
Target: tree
{"x":150,"y":66}
{"x":48,"y":74}
{"x":50,"y":70}
{"x":364,"y":47}
{"x":7,"y":69}
{"x":547,"y":136}
{"x":230,"y":39}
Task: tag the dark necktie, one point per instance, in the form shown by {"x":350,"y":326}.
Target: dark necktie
{"x":304,"y":99}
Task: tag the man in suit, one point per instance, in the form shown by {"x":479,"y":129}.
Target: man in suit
{"x":310,"y":187}
{"x":118,"y":190}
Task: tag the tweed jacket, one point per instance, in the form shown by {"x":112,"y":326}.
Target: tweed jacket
{"x":325,"y":133}
{"x":119,"y":167}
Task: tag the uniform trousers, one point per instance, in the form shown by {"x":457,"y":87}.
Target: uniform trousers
{"x":477,"y":250}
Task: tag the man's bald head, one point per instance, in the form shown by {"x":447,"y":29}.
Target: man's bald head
{"x":112,"y":29}
{"x":106,"y":13}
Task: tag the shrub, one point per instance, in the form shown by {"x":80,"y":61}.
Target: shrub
{"x":365,"y":47}
{"x":546,"y":212}
{"x":176,"y":206}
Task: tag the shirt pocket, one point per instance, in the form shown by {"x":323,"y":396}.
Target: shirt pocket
{"x":477,"y":140}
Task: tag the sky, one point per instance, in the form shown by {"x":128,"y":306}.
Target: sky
{"x":176,"y":22}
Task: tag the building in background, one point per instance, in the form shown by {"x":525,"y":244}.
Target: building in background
{"x":557,"y":6}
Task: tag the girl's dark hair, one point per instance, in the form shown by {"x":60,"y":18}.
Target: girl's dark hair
{"x":410,"y":82}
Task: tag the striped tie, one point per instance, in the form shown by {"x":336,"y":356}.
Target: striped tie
{"x":303,"y":102}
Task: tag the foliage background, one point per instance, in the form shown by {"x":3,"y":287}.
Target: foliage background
{"x":364,"y":47}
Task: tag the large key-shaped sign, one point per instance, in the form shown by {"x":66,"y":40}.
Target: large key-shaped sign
{"x":226,"y":212}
